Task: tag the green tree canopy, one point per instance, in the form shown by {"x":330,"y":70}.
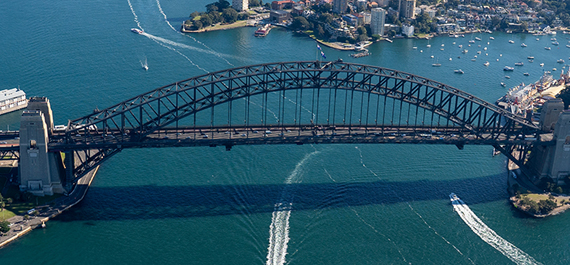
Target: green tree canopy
{"x":300,"y":23}
{"x":206,"y":20}
{"x":230,"y":15}
{"x":4,"y":226}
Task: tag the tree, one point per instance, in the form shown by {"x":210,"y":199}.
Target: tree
{"x":4,"y":226}
{"x":206,"y":20}
{"x":211,"y":8}
{"x":320,"y":32}
{"x":361,"y":30}
{"x":326,"y":18}
{"x":300,"y":23}
{"x":230,"y":15}
{"x":197,"y":24}
{"x":194,"y":14}
{"x":254,"y":3}
{"x":222,"y":4}
{"x":565,"y":96}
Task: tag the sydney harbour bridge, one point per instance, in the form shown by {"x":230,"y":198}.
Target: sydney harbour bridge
{"x":310,"y":102}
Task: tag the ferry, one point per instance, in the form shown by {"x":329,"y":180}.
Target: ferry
{"x":12,"y":100}
{"x":137,"y":31}
{"x":263,"y":30}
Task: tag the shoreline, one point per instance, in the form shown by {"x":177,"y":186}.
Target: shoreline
{"x":61,"y":204}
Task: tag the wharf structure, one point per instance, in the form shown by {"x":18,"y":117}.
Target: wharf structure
{"x":12,"y":100}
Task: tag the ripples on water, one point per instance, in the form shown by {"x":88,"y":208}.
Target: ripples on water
{"x":374,"y":204}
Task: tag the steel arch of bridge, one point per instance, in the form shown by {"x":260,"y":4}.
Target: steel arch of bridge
{"x":344,"y":101}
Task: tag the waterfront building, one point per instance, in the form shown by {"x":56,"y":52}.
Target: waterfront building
{"x":12,"y":100}
{"x":340,"y":6}
{"x":279,"y":16}
{"x":408,"y":30}
{"x":377,"y":18}
{"x":240,"y":5}
{"x":407,"y":8}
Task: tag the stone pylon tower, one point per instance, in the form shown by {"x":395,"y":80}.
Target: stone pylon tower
{"x":39,"y":169}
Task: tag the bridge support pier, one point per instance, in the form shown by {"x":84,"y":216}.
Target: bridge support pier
{"x":554,"y":161}
{"x":39,"y":169}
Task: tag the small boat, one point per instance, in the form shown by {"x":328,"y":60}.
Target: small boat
{"x":415,"y":48}
{"x":567,"y":45}
{"x":523,"y":45}
{"x":553,"y":69}
{"x":137,"y":31}
{"x":491,"y":38}
{"x":389,"y":40}
{"x":503,"y":84}
{"x":541,"y":64}
{"x":530,"y":57}
{"x":486,"y":63}
{"x":471,"y":41}
{"x":511,"y":41}
{"x":555,"y":43}
{"x":441,"y":49}
{"x":473,"y":59}
{"x":508,"y":68}
{"x":458,"y":71}
{"x":442,"y":45}
{"x":477,"y":38}
{"x":460,"y":46}
{"x":537,"y":39}
{"x":485,"y":48}
{"x":429,"y":46}
{"x":519,"y":64}
{"x":525,"y":74}
{"x":436,"y":64}
{"x":464,"y":51}
{"x":553,"y":39}
{"x":431,"y":56}
{"x":450,"y":58}
{"x":507,"y":77}
{"x":530,"y":60}
{"x":560,"y":61}
{"x":547,"y":48}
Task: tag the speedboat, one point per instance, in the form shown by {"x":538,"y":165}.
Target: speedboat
{"x":491,"y":38}
{"x":454,"y":199}
{"x":523,"y":45}
{"x":511,"y":41}
{"x":560,"y":61}
{"x":477,"y":38}
{"x":503,"y":84}
{"x":507,"y":77}
{"x":458,"y":71}
{"x":508,"y":68}
{"x":436,"y":65}
{"x":555,"y":43}
{"x":137,"y":31}
{"x":525,"y":74}
{"x":486,"y":64}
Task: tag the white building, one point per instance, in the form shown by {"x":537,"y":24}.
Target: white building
{"x":240,"y":5}
{"x":377,"y":18}
{"x":408,"y":30}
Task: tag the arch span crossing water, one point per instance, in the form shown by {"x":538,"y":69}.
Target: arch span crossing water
{"x":293,"y":103}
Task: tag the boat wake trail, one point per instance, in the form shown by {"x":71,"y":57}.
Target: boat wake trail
{"x":279,"y":228}
{"x":489,"y":236}
{"x":201,"y":43}
{"x":413,"y":210}
{"x":174,"y":50}
{"x":181,"y":45}
{"x":135,"y":15}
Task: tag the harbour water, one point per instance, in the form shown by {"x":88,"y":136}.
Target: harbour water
{"x":321,"y":204}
